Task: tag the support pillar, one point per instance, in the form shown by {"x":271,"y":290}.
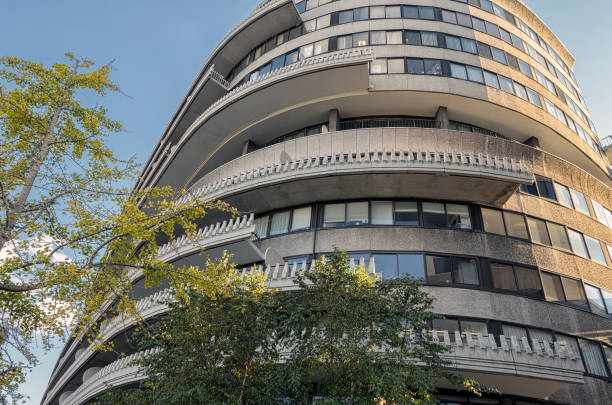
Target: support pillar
{"x":334,"y":116}
{"x":442,"y":117}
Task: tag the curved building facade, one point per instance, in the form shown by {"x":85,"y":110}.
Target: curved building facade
{"x":446,"y":139}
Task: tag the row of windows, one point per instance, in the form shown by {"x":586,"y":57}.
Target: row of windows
{"x":546,"y":188}
{"x":433,"y":215}
{"x":488,"y":274}
{"x":451,"y":17}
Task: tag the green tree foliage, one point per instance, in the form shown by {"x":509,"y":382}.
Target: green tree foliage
{"x":64,"y":206}
{"x":340,"y":336}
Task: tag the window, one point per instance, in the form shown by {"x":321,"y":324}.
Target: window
{"x":537,"y":230}
{"x":415,"y":66}
{"x":458,"y":71}
{"x":360,"y":39}
{"x":601,"y":213}
{"x":291,"y":57}
{"x":517,"y":42}
{"x":394,"y":37}
{"x":492,"y":29}
{"x":563,"y":195}
{"x":393,"y":12}
{"x":438,"y":269}
{"x":475,"y":74}
{"x":528,"y":281}
{"x":345,"y":16}
{"x":577,"y":241}
{"x":552,"y":287}
{"x":278,"y":62}
{"x":569,"y":343}
{"x":595,"y":299}
{"x":386,"y":265}
{"x":474,"y":328}
{"x":321,"y":46}
{"x":520,"y":90}
{"x":491,"y":79}
{"x":607,"y":297}
{"x":301,"y":218}
{"x":593,"y":358}
{"x":484,"y":50}
{"x":378,"y":37}
{"x":449,"y":16}
{"x":434,"y":215}
{"x":357,"y":213}
{"x":498,"y":55}
{"x":411,"y":265}
{"x":558,"y":236}
{"x":382,"y":213}
{"x":595,"y":250}
{"x":280,"y":223}
{"x":453,"y":43}
{"x":406,"y":213}
{"x":334,"y":215}
{"x":360,"y":14}
{"x":378,"y":66}
{"x":446,"y":270}
{"x":546,"y":188}
{"x":426,"y":13}
{"x":479,"y":24}
{"x":458,"y":216}
{"x":465,"y":271}
{"x":493,"y":221}
{"x":464,"y":19}
{"x":323,"y":21}
{"x":429,"y":38}
{"x":505,"y":35}
{"x":410,"y":12}
{"x":580,"y":203}
{"x":345,"y":42}
{"x":261,"y":226}
{"x":515,"y":225}
{"x":395,"y":65}
{"x":469,"y":45}
{"x":433,"y":67}
{"x":377,"y":12}
{"x":574,"y":293}
{"x":306,"y":51}
{"x":534,"y":97}
{"x":412,"y":37}
{"x":525,"y":68}
{"x":506,"y":84}
{"x":502,"y":276}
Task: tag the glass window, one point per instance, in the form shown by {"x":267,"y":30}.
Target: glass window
{"x":301,"y":218}
{"x":291,"y":57}
{"x":498,"y":55}
{"x":563,"y":195}
{"x":394,"y":37}
{"x":410,"y":12}
{"x":528,"y":280}
{"x":377,"y":12}
{"x":395,"y":65}
{"x":469,"y":45}
{"x":506,"y":84}
{"x":520,"y":90}
{"x":491,"y":79}
{"x":516,"y":331}
{"x":301,"y":6}
{"x":577,"y":241}
{"x":458,"y":71}
{"x":492,"y":29}
{"x":465,"y":271}
{"x":451,"y":325}
{"x":406,"y":213}
{"x":505,"y":35}
{"x":503,"y":276}
{"x":458,"y":216}
{"x":386,"y":265}
{"x":334,"y":215}
{"x":595,"y":250}
{"x":517,"y":42}
{"x":453,"y":42}
{"x":595,"y":299}
{"x":493,"y":221}
{"x":360,"y":14}
{"x":360,"y":39}
{"x":378,"y":37}
{"x":464,"y":19}
{"x":542,"y":338}
{"x":412,"y":265}
{"x":306,"y":51}
{"x":537,"y":230}
{"x":433,"y":67}
{"x":261,"y":226}
{"x":568,"y":342}
{"x":357,"y":213}
{"x":525,"y":68}
{"x":600,"y":212}
{"x":345,"y":42}
{"x":607,"y":297}
{"x":474,"y":328}
{"x":278,"y":62}
{"x":426,"y":13}
{"x":323,"y":21}
{"x":434,"y":215}
{"x":530,"y":188}
{"x":580,"y":203}
{"x":558,"y":236}
{"x":574,"y":293}
{"x":546,"y":188}
{"x":280,"y":223}
{"x":552,"y":287}
{"x":486,"y":5}
{"x":429,"y":38}
{"x":382,"y":212}
{"x":415,"y":66}
{"x":534,"y":97}
{"x":479,"y":24}
{"x":345,"y":16}
{"x":449,"y":16}
{"x":515,"y":225}
{"x":321,"y":46}
{"x":412,"y":37}
{"x":378,"y":66}
{"x":438,"y":269}
{"x":393,"y":12}
{"x":475,"y":74}
{"x":593,"y":358}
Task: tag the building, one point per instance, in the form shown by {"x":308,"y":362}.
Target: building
{"x":447,"y":139}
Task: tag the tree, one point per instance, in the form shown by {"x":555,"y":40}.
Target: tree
{"x":65,"y":206}
{"x":341,"y":336}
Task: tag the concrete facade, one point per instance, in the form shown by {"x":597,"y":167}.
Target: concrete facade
{"x":325,"y":127}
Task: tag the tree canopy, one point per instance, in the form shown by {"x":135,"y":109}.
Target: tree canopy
{"x":339,"y":337}
{"x":65,"y":204}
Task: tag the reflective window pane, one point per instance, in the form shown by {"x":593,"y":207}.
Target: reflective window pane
{"x":552,"y":287}
{"x":607,"y":297}
{"x":580,"y":202}
{"x":515,"y":225}
{"x":491,"y":79}
{"x":493,"y":221}
{"x":595,"y":299}
{"x":345,"y":16}
{"x":528,"y":280}
{"x":503,"y":276}
{"x":595,"y":250}
{"x":449,"y":16}
{"x":563,"y":195}
{"x":558,"y":236}
{"x":577,"y":241}
{"x":406,"y":213}
{"x":433,"y":67}
{"x":475,"y":74}
{"x":415,"y":66}
{"x":434,"y":215}
{"x":537,"y":230}
{"x":411,"y":265}
{"x":458,"y":216}
{"x":360,"y":14}
{"x":506,"y":84}
{"x":386,"y":265}
{"x":469,"y":45}
{"x":382,"y":213}
{"x":464,"y":19}
{"x":377,"y":12}
{"x":410,"y":12}
{"x":453,"y":42}
{"x":458,"y":71}
{"x":574,"y":293}
{"x":438,"y":269}
{"x":426,"y":13}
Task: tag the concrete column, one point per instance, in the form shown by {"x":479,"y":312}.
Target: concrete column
{"x":248,"y":146}
{"x":442,"y":117}
{"x":533,"y":142}
{"x":334,"y":116}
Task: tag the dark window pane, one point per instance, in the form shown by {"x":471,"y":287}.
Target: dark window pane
{"x":412,"y":265}
{"x":412,"y":38}
{"x":546,"y":188}
{"x":530,"y":189}
{"x":552,"y":287}
{"x":538,"y":231}
{"x":415,"y":66}
{"x":410,"y":12}
{"x":469,"y":45}
{"x":484,"y":50}
{"x":438,"y":269}
{"x":574,"y":293}
{"x":515,"y":225}
{"x":433,"y":67}
{"x":451,"y":325}
{"x":453,"y":43}
{"x":503,"y":276}
{"x":434,"y":215}
{"x":458,"y":216}
{"x":360,"y":14}
{"x":449,"y":17}
{"x":593,"y":358}
{"x":464,"y":19}
{"x":479,"y":24}
{"x":465,"y":271}
{"x":386,"y":265}
{"x":426,"y":13}
{"x":429,"y":38}
{"x":492,"y":29}
{"x":345,"y":16}
{"x":406,"y":213}
{"x":528,"y":280}
{"x":493,"y":221}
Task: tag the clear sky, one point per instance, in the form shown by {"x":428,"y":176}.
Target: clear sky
{"x":158,"y":46}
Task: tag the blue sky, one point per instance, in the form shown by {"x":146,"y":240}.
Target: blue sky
{"x":158,"y":46}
